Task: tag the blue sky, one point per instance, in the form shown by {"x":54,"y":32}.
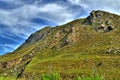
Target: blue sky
{"x":20,"y":18}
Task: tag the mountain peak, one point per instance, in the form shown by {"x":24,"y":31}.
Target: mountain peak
{"x":102,"y":21}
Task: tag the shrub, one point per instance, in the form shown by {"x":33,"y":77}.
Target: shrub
{"x":97,"y":77}
{"x":53,"y":76}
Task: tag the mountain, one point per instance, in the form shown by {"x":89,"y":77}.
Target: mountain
{"x":78,"y":48}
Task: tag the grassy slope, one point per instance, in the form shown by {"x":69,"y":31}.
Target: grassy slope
{"x":78,"y":60}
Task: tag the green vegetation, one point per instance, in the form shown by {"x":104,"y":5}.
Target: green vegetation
{"x":53,"y":76}
{"x":7,"y":78}
{"x":97,"y":77}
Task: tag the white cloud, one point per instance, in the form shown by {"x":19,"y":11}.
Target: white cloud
{"x":56,"y":13}
{"x":52,"y":12}
{"x":18,"y":21}
{"x":8,"y":37}
{"x":13,"y":2}
{"x":8,"y":47}
{"x":112,"y":6}
{"x":78,"y":2}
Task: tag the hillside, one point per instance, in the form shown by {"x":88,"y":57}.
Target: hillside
{"x":79,"y":48}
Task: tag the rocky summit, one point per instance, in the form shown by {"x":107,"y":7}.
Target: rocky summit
{"x":83,"y":47}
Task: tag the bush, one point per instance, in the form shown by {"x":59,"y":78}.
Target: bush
{"x":53,"y":76}
{"x":97,"y":77}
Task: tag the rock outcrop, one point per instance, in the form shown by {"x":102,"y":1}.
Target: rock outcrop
{"x":102,"y":21}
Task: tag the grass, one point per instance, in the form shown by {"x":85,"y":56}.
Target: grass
{"x":75,"y":64}
{"x":56,"y":76}
{"x":53,"y":76}
{"x":7,"y":78}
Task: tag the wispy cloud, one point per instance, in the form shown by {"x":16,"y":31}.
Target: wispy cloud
{"x":9,"y":38}
{"x":8,"y":47}
{"x":107,"y":5}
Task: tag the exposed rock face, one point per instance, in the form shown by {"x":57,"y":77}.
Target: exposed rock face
{"x":3,"y":65}
{"x":101,"y":21}
{"x":113,"y":50}
{"x":38,"y":35}
{"x":10,"y":64}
